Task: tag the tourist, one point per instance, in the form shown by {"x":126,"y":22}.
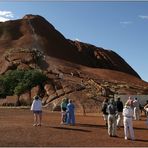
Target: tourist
{"x":128,"y":120}
{"x":70,"y":113}
{"x":112,"y":118}
{"x":104,"y":110}
{"x":146,"y":109}
{"x":146,"y":113}
{"x":63,"y":110}
{"x":136,"y":106}
{"x":119,"y":105}
{"x":36,"y":107}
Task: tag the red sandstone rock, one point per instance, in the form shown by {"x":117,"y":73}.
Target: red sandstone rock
{"x":32,"y":42}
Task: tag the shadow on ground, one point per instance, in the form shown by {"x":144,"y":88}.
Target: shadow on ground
{"x":73,"y":129}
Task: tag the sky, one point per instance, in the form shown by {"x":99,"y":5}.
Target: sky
{"x":114,"y":25}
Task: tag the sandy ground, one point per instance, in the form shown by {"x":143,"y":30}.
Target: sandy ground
{"x":16,"y":130}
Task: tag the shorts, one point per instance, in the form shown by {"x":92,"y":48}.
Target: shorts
{"x":37,"y":111}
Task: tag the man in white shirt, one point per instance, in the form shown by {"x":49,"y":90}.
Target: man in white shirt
{"x":128,"y":121}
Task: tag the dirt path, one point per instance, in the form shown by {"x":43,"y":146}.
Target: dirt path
{"x":16,"y":130}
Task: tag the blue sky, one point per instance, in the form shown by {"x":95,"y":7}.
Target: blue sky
{"x":119,"y":26}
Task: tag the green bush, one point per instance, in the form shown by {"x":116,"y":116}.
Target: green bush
{"x":19,"y":81}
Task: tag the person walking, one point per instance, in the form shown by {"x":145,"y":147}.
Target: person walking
{"x":145,"y":112}
{"x":36,"y":107}
{"x":70,"y":113}
{"x":146,"y":109}
{"x":136,"y":106}
{"x":63,"y":110}
{"x":112,"y":117}
{"x":119,"y":105}
{"x":104,"y":110}
{"x":128,"y":121}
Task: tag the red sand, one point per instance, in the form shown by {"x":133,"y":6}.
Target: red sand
{"x":16,"y":130}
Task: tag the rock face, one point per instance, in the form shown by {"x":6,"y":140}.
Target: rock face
{"x":34,"y":31}
{"x":80,"y":71}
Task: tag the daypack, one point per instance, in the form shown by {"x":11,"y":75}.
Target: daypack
{"x":104,"y":108}
{"x":112,"y":109}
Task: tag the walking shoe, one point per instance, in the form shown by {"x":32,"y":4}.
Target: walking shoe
{"x":114,"y":136}
{"x":118,"y":127}
{"x":39,"y":124}
{"x":126,"y":138}
{"x":34,"y":124}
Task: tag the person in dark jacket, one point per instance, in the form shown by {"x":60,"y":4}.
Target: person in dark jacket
{"x":119,"y":105}
{"x":104,"y":110}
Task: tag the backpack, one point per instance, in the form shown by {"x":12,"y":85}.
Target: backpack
{"x":104,"y":107}
{"x":112,"y":109}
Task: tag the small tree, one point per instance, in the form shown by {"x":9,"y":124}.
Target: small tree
{"x":19,"y":89}
{"x":20,"y":81}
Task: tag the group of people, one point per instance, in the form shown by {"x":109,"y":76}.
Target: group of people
{"x":67,"y":111}
{"x":113,"y":111}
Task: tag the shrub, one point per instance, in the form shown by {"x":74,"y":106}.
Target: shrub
{"x":19,"y":81}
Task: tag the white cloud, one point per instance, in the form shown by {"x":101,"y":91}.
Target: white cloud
{"x":77,"y":39}
{"x":143,"y":16}
{"x":126,"y":22}
{"x":3,"y":19}
{"x":5,"y":16}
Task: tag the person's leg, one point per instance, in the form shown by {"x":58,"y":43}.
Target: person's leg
{"x":135,"y":118}
{"x":73,"y":119}
{"x":68,"y":118}
{"x":109,"y":125}
{"x":131,"y":129}
{"x":40,"y":119}
{"x":62,"y":117}
{"x":119,"y":120}
{"x":125,"y":123}
{"x":35,"y":119}
{"x":65,"y":117}
{"x":138,"y":114}
{"x":114,"y":126}
{"x":106,"y":120}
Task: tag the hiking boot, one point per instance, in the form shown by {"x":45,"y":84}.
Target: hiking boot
{"x":34,"y":124}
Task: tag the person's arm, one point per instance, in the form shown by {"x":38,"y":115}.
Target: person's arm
{"x":145,"y":107}
{"x":32,"y":106}
{"x":123,"y":113}
{"x":67,"y":110}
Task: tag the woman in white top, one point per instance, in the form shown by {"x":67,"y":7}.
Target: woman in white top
{"x":36,"y":107}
